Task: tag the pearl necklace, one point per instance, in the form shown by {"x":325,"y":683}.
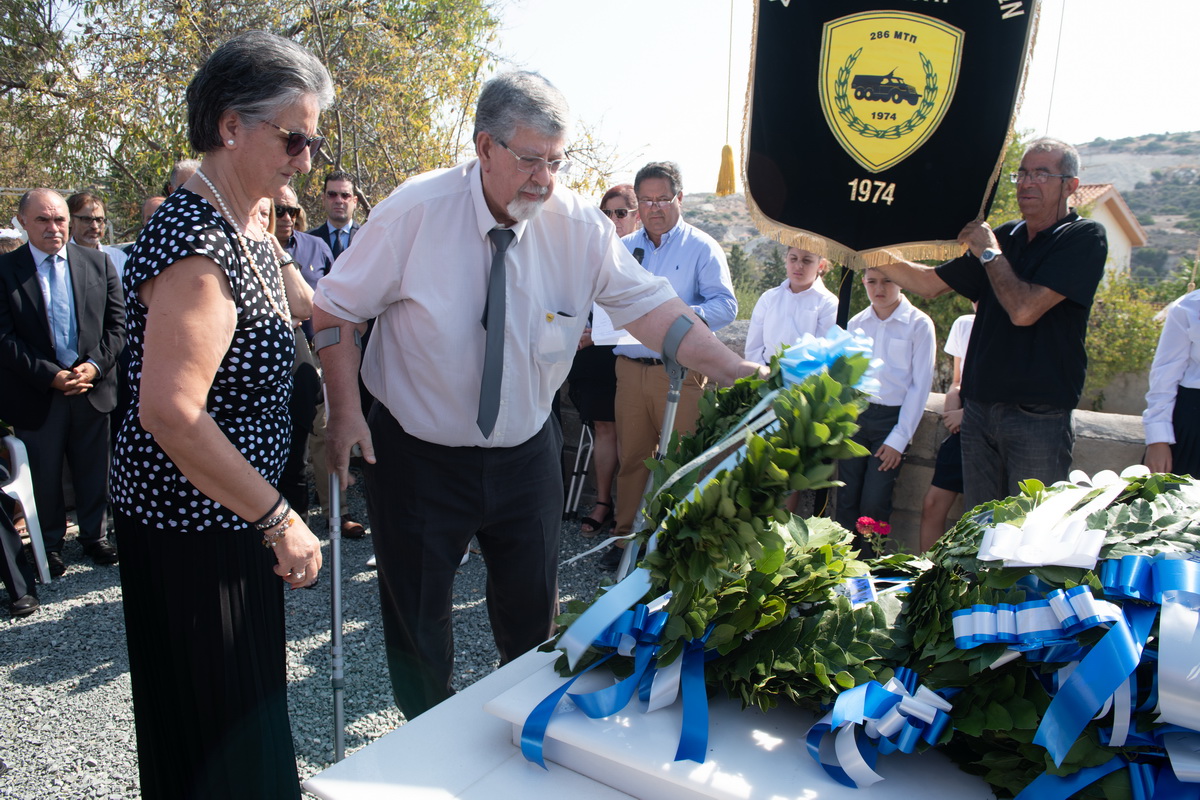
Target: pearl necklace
{"x":286,"y":312}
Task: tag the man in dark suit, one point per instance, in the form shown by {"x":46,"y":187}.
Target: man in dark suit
{"x":340,"y":199}
{"x":62,"y":324}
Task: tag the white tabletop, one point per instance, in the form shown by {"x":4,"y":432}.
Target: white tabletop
{"x":456,"y":749}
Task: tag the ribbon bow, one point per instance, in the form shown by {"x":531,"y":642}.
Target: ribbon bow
{"x":1051,"y":533}
{"x":894,"y":716}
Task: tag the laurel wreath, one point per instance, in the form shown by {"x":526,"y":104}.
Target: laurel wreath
{"x":841,"y":99}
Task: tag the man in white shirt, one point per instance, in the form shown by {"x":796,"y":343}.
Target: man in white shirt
{"x":480,"y":278}
{"x":340,"y":200}
{"x":904,"y":341}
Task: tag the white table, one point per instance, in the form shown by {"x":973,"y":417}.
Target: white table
{"x":459,"y":750}
{"x":456,"y":749}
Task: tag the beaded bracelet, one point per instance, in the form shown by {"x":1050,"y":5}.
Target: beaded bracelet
{"x":278,"y":513}
{"x":273,"y":537}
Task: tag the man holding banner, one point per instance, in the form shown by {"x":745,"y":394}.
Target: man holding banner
{"x":1034,"y":280}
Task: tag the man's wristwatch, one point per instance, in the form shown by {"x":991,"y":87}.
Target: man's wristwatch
{"x":989,"y":255}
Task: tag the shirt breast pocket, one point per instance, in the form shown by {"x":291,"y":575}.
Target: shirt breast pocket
{"x":1194,"y":336}
{"x":556,"y":338}
{"x":899,"y":353}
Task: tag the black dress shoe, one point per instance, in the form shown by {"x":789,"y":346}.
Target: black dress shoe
{"x":24,"y":606}
{"x":611,"y":558}
{"x":102,"y":552}
{"x":55,"y":562}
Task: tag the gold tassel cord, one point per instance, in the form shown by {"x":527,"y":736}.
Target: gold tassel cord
{"x":726,"y":184}
{"x":725,"y":179}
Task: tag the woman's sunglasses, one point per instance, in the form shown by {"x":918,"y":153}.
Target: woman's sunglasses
{"x":619,"y":213}
{"x":296,"y":142}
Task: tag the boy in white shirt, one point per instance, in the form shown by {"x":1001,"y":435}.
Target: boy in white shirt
{"x":904,"y":341}
{"x":799,"y":305}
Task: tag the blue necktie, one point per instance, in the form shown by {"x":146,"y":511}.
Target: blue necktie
{"x":338,"y":247}
{"x":66,"y":335}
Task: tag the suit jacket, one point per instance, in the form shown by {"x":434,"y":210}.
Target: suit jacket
{"x":27,"y":362}
{"x":323,"y":232}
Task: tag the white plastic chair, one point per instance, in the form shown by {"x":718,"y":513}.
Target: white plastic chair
{"x":20,"y":488}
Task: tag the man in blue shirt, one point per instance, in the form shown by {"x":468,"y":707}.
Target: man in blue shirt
{"x":694,"y":263}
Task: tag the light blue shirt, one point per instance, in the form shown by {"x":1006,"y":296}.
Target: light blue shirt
{"x":60,"y":304}
{"x":694,"y":264}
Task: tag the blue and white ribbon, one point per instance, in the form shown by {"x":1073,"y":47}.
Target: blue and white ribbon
{"x":812,"y":354}
{"x":896,"y":716}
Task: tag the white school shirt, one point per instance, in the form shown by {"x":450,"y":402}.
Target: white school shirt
{"x":420,"y":266}
{"x":905,"y":343}
{"x":959,"y":337}
{"x":1176,"y":363}
{"x":782,"y":316}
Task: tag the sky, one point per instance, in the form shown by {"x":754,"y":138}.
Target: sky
{"x":651,"y":76}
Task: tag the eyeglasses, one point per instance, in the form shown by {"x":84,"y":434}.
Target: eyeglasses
{"x":533,"y":164}
{"x":655,"y":203}
{"x":290,"y":211}
{"x":332,"y":195}
{"x":296,"y":142}
{"x":619,"y":213}
{"x":90,"y":220}
{"x":1037,"y":176}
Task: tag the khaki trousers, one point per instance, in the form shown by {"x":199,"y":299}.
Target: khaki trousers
{"x":639,"y":405}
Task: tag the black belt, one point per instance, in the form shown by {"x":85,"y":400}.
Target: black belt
{"x":649,"y":362}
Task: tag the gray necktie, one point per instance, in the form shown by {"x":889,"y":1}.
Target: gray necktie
{"x":65,"y":346}
{"x":338,"y":247}
{"x":493,"y":323}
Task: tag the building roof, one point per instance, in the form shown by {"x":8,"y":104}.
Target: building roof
{"x":1106,"y":195}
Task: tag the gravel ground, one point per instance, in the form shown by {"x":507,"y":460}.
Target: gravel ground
{"x":66,"y":718}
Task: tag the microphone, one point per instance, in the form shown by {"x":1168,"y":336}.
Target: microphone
{"x":639,"y":254}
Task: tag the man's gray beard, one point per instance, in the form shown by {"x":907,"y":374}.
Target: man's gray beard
{"x":522,"y":209}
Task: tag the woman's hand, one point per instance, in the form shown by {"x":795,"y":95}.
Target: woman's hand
{"x":953,"y":420}
{"x":1158,"y":457}
{"x":298,"y":552}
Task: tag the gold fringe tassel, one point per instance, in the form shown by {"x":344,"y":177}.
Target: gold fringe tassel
{"x":725,"y":179}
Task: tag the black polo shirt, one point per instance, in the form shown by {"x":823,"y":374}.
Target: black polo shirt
{"x":1044,"y":363}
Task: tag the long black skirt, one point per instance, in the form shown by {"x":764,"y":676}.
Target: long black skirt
{"x":1185,"y":453}
{"x":205,"y":624}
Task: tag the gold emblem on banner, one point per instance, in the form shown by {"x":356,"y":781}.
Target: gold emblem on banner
{"x":887,"y":78}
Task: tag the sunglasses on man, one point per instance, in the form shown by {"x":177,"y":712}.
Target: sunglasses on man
{"x":332,"y":195}
{"x":619,"y":213}
{"x":296,"y":142}
{"x":290,"y":211}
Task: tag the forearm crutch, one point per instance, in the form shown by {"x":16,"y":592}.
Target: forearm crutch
{"x":676,"y":372}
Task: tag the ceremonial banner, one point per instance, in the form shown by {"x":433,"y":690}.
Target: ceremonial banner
{"x":878,"y":125}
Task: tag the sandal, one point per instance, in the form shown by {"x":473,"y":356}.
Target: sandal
{"x":590,"y":526}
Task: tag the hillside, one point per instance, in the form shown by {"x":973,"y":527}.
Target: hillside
{"x":1157,"y":174}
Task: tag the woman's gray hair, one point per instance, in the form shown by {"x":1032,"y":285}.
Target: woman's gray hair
{"x":514,"y":99}
{"x":256,"y":74}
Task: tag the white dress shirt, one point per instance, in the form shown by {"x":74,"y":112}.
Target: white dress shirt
{"x":420,"y":266}
{"x":905,"y":343}
{"x":1176,"y":363}
{"x":959,"y":337}
{"x":782,"y":316}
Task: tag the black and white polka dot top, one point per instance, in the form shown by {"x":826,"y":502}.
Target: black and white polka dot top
{"x":249,"y":394}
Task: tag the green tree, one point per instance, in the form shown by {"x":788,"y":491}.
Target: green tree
{"x":98,"y":100}
{"x":1122,"y":335}
{"x":774,"y":271}
{"x":740,"y":271}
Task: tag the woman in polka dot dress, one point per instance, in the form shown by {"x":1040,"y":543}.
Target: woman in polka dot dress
{"x":194,"y":469}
